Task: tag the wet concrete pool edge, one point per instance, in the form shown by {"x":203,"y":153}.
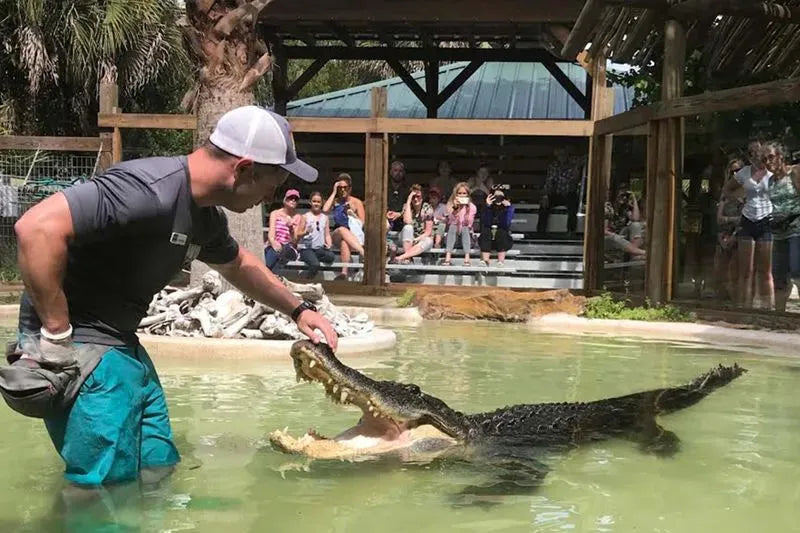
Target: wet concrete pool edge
{"x":785,"y":344}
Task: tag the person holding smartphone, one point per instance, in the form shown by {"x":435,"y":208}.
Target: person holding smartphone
{"x":460,"y":217}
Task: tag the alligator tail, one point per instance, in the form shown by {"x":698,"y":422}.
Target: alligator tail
{"x":672,"y":399}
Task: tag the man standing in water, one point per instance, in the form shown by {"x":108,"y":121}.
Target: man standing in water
{"x":93,"y":255}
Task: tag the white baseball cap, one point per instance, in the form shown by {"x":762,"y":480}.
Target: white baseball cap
{"x":256,"y":133}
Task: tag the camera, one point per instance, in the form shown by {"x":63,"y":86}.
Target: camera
{"x":501,"y":187}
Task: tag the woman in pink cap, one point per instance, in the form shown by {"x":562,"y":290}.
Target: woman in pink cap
{"x":284,"y":231}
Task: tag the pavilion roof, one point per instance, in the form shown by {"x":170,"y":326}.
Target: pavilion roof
{"x":733,"y":36}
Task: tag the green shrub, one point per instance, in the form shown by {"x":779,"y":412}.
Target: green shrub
{"x":407,"y":298}
{"x":604,"y":306}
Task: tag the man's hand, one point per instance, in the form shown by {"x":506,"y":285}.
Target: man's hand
{"x":392,"y":215}
{"x":58,"y":353}
{"x":309,"y":320}
{"x":490,"y":199}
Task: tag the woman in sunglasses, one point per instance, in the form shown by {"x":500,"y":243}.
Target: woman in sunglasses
{"x":315,"y":245}
{"x":284,"y":227}
{"x":348,"y":216}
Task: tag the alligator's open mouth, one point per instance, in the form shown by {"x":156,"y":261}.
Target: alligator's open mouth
{"x":394,"y":415}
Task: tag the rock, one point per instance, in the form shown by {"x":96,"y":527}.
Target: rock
{"x":496,"y":304}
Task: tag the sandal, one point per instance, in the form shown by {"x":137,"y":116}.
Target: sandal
{"x":340,"y":276}
{"x":446,"y":263}
{"x":467,"y":263}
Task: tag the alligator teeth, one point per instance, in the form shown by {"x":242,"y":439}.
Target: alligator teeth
{"x":312,"y":364}
{"x":343,"y":397}
{"x":330,"y":380}
{"x":335,"y":389}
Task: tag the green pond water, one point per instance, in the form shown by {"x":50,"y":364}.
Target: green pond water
{"x":737,"y":469}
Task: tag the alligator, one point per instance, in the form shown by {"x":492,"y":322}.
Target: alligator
{"x":400,"y":419}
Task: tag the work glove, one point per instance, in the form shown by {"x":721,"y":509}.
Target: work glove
{"x":56,"y":352}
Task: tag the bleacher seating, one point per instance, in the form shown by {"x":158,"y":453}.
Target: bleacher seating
{"x":532,"y":263}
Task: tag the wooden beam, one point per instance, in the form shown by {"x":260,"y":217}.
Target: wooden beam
{"x":643,"y":27}
{"x":376,"y":167}
{"x":738,"y":8}
{"x":301,"y":81}
{"x":410,"y":82}
{"x":441,"y":11}
{"x":53,"y":144}
{"x":458,"y":81}
{"x":407,"y":53}
{"x":579,"y":36}
{"x":564,"y":80}
{"x":453,"y":126}
{"x":561,"y":33}
{"x":626,"y":120}
{"x":450,"y":126}
{"x":341,"y":34}
{"x":432,"y":88}
{"x":147,"y":121}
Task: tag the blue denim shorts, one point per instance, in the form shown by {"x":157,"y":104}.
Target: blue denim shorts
{"x":785,"y":261}
{"x":118,"y":424}
{"x":758,"y":230}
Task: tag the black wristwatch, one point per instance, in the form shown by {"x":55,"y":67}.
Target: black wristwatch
{"x":304,"y":305}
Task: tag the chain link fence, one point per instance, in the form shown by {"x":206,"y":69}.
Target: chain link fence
{"x":26,"y":178}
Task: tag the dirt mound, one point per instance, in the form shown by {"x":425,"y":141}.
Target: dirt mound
{"x":496,"y":304}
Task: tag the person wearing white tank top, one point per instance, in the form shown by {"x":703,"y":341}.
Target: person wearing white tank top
{"x":754,"y":235}
{"x":315,"y":245}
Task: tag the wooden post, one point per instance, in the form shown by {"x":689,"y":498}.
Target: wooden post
{"x":280,"y":84}
{"x":432,"y":88}
{"x":662,"y":218}
{"x":116,"y":142}
{"x":376,"y":167}
{"x":108,"y":99}
{"x":598,"y":177}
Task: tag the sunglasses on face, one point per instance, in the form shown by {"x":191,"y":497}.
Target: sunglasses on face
{"x":293,"y":199}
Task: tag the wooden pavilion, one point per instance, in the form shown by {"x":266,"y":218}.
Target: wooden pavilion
{"x":434,"y":32}
{"x":735,"y":37}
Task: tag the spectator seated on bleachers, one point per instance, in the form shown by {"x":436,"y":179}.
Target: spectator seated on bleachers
{"x":282,"y":235}
{"x":615,"y":243}
{"x":495,"y":226}
{"x":439,"y":215}
{"x":417,"y":232}
{"x":460,"y":217}
{"x":315,"y":241}
{"x":348,"y":216}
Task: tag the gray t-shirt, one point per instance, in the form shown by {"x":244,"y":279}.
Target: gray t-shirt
{"x":135,"y":227}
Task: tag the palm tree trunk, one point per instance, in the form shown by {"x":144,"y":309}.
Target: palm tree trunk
{"x":232,"y":58}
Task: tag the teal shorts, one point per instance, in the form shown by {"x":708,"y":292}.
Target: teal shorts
{"x":118,"y":423}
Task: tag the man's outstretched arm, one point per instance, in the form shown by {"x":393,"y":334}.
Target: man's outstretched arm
{"x":251,"y":276}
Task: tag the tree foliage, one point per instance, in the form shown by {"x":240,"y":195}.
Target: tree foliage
{"x":55,"y":52}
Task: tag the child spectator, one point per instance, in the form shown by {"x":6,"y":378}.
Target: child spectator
{"x":460,"y":217}
{"x":495,"y":226}
{"x":418,"y":228}
{"x":315,"y":243}
{"x":439,"y":215}
{"x":284,"y":224}
{"x":348,"y":221}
